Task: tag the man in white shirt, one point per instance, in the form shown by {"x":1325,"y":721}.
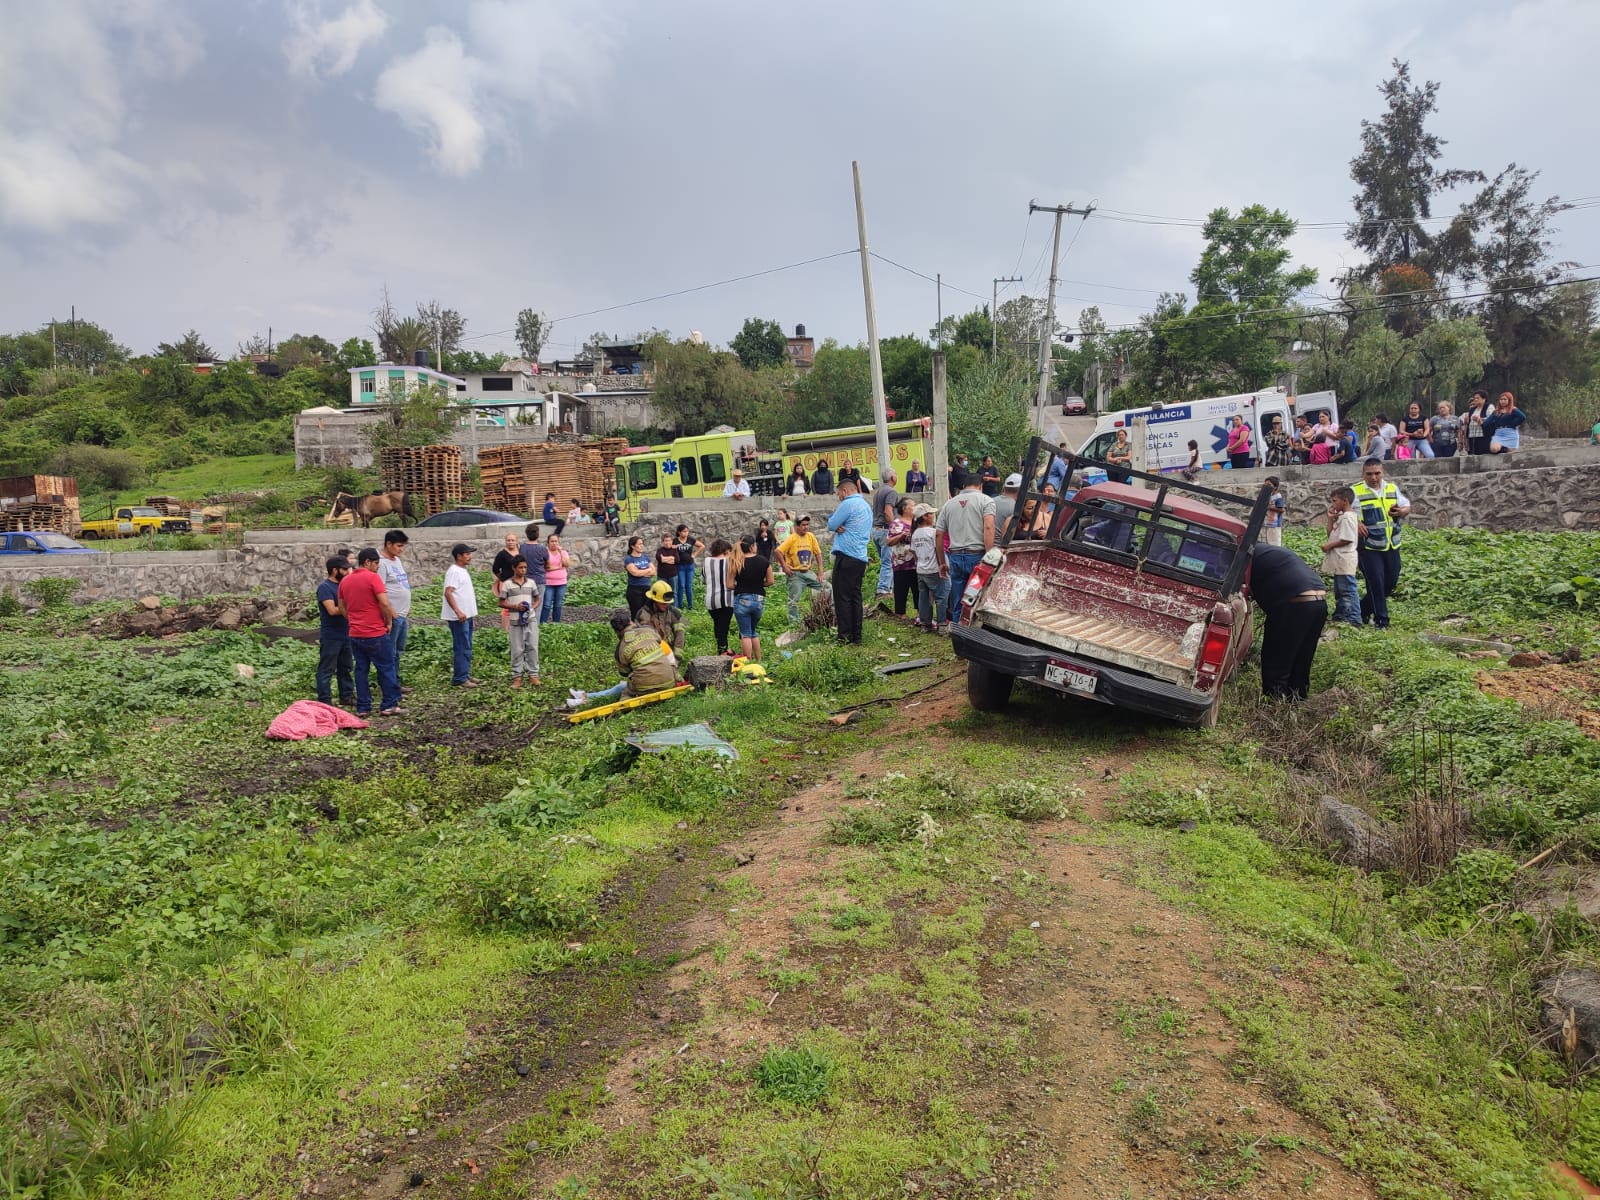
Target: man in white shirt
{"x":397,"y":586}
{"x":459,"y":610}
{"x":736,"y":487}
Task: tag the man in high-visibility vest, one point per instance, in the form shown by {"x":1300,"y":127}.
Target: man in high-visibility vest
{"x":1380,"y":507}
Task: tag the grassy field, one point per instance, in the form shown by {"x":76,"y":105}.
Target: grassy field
{"x":517,"y":959}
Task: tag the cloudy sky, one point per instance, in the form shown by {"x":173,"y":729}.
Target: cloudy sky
{"x":238,"y":164}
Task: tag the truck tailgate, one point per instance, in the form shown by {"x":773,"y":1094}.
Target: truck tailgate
{"x":1098,"y":610}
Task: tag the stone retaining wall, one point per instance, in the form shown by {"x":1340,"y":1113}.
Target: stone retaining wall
{"x":1551,"y":490}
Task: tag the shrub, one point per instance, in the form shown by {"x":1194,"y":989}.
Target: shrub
{"x":98,"y":468}
{"x":1027,"y":800}
{"x":52,"y":593}
{"x":502,"y":885}
{"x":10,"y":606}
{"x":801,"y":1076}
{"x":681,"y":781}
{"x":543,"y":801}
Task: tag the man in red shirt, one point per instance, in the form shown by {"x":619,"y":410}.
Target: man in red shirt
{"x":366,"y":604}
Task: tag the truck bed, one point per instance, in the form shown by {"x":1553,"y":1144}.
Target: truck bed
{"x":1098,"y":610}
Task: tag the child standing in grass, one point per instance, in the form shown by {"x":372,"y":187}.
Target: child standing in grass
{"x":519,"y":597}
{"x":933,"y":607}
{"x":1339,"y":556}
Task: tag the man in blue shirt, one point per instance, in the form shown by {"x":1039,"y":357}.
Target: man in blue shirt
{"x":552,"y":518}
{"x":851,"y":526}
{"x":336,"y":659}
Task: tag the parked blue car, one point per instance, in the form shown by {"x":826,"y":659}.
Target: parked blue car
{"x":40,"y":543}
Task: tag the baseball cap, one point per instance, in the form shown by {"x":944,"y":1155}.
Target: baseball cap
{"x":1013,"y":480}
{"x":459,"y":549}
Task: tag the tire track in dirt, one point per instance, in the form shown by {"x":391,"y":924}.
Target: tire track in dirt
{"x":1137,"y":1095}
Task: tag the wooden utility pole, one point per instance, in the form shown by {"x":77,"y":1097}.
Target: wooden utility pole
{"x":938,"y":291}
{"x":1047,"y":333}
{"x":994,"y":311}
{"x":874,"y":354}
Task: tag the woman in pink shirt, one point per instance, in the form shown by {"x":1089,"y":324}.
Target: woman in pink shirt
{"x":1239,"y":444}
{"x":555,"y":581}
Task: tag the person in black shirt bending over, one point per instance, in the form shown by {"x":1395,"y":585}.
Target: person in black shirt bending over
{"x":1295,"y":601}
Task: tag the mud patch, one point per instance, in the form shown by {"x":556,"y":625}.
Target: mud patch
{"x":1556,"y":691}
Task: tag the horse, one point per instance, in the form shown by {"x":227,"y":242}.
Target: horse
{"x":369,"y":508}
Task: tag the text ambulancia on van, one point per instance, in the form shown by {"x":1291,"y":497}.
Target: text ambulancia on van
{"x":1169,"y":428}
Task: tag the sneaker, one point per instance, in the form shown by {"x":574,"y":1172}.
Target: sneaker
{"x":468,"y":683}
{"x":396,"y":711}
{"x":577,"y":701}
{"x":363,"y":715}
{"x":575,"y":693}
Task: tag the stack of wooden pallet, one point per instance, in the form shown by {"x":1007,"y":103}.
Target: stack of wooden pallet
{"x":515,"y":478}
{"x":431,"y":474}
{"x":59,"y":518}
{"x":40,"y":502}
{"x":169,"y":506}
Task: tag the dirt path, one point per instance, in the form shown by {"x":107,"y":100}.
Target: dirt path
{"x":1136,"y":1093}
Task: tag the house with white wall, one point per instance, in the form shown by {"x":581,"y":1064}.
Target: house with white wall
{"x":372,"y":385}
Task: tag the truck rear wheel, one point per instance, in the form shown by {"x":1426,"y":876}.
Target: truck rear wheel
{"x":988,"y":690}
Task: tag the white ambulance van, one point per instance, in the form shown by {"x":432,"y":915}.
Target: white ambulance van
{"x":1169,"y":428}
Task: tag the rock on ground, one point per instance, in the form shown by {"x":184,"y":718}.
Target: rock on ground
{"x":1359,"y":837}
{"x":1571,"y":1013}
{"x":708,"y":670}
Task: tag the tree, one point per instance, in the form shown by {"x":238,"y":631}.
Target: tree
{"x":355,"y":352}
{"x":445,"y":327}
{"x":533,"y":329}
{"x":191,"y":348}
{"x":81,"y":344}
{"x":305,"y":349}
{"x":1245,"y":294}
{"x":1398,"y":176}
{"x":254,"y":345}
{"x":697,"y":387}
{"x":989,"y":411}
{"x":423,"y":416}
{"x":407,"y":336}
{"x":973,"y":329}
{"x":1020,"y":320}
{"x":760,"y":344}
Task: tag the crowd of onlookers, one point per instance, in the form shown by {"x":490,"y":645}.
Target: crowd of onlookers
{"x":1486,"y":427}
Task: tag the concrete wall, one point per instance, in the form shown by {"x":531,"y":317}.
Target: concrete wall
{"x":337,"y":439}
{"x":1552,"y":489}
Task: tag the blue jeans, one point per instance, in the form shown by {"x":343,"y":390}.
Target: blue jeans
{"x":460,"y":650}
{"x":962,"y":564}
{"x":335,"y":659}
{"x":1346,"y":600}
{"x":747,"y":611}
{"x":880,"y":539}
{"x":932,"y":599}
{"x":683,"y":587}
{"x":610,"y":693}
{"x":397,"y":639}
{"x":555,"y":596}
{"x":375,"y":652}
{"x":1381,"y":568}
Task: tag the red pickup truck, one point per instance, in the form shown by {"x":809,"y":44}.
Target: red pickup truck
{"x":1131,"y":594}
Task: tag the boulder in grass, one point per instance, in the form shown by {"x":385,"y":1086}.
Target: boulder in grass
{"x":1570,"y":1014}
{"x":709,"y":670}
{"x":1357,"y":837}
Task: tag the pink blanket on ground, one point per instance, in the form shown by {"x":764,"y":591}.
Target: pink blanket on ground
{"x":311,"y":718}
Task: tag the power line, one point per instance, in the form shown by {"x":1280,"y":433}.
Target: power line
{"x":1136,"y":218}
{"x":594,"y":312}
{"x":1380,"y":304}
{"x":913,"y":271}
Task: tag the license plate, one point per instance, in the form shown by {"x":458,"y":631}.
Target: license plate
{"x":1070,"y":678}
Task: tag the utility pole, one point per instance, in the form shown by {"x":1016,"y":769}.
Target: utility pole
{"x":1048,"y":332}
{"x":938,"y":290}
{"x":994,"y":311}
{"x":74,"y":335}
{"x":874,"y":355}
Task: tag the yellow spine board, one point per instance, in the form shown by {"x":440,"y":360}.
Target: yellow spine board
{"x":606,"y":710}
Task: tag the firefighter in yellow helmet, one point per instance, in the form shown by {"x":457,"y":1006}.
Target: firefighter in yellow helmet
{"x":663,"y":616}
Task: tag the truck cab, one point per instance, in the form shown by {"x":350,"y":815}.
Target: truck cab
{"x":1131,"y":594}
